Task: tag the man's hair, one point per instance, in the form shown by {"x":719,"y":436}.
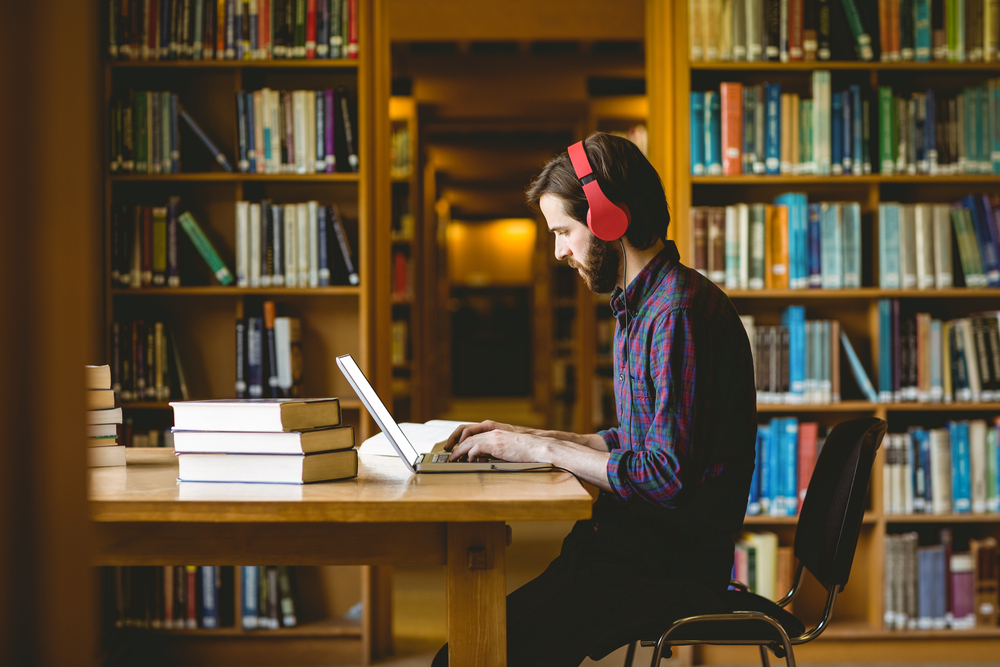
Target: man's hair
{"x":625,"y":176}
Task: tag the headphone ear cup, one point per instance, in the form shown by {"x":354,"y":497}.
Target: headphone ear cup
{"x":612,"y":227}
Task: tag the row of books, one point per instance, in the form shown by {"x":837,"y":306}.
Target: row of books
{"x":186,"y":597}
{"x":103,"y":448}
{"x":761,"y":130}
{"x":145,"y":365}
{"x":808,"y":30}
{"x":269,"y":361}
{"x":954,"y":469}
{"x":923,"y":359}
{"x":637,"y":134}
{"x":147,"y":249}
{"x":145,"y":136}
{"x":790,"y":244}
{"x":296,"y":131}
{"x":915,"y":248}
{"x":927,"y":133}
{"x":804,"y":354}
{"x":232,"y":29}
{"x":786,"y":455}
{"x":931,"y":588}
{"x":763,"y":566}
{"x":268,"y":441}
{"x":292,"y":245}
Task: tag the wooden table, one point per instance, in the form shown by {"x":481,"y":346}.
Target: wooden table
{"x":385,"y":516}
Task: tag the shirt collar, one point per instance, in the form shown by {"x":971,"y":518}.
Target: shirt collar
{"x":646,"y":281}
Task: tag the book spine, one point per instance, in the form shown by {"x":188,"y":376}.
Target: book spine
{"x":772,"y":148}
{"x":271,"y":365}
{"x":732,"y":122}
{"x":249,"y":596}
{"x":255,"y":357}
{"x":209,"y":596}
{"x":320,"y":162}
{"x":713,"y":133}
{"x":277,"y":226}
{"x":328,"y":109}
{"x":322,"y":243}
{"x":823,"y":29}
{"x":698,"y":133}
{"x":345,"y":247}
{"x":241,"y":356}
{"x":205,"y":248}
{"x":219,"y":157}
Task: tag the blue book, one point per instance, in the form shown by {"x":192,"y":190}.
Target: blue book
{"x":857,"y":131}
{"x":772,"y":459}
{"x":985,"y":235}
{"x":831,"y":244}
{"x":323,"y":246}
{"x":242,"y":139}
{"x":922,"y":30}
{"x":850,"y":214}
{"x":698,"y":133}
{"x":772,"y":131}
{"x":922,"y":500}
{"x":210,"y":596}
{"x":888,"y":245}
{"x":813,"y":231}
{"x":749,"y":128}
{"x":930,"y":138}
{"x":799,"y":228}
{"x":961,"y":481}
{"x":252,"y":19}
{"x":836,"y":134}
{"x":713,"y":133}
{"x":790,"y":465}
{"x":794,"y":318}
{"x":199,"y":30}
{"x":251,"y":597}
{"x":995,"y":124}
{"x":219,"y":156}
{"x":753,"y":503}
{"x":251,"y":134}
{"x":885,"y":351}
{"x":847,"y":133}
{"x":764,"y":460}
{"x":860,"y":375}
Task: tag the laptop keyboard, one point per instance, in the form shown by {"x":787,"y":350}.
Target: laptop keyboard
{"x":441,"y":458}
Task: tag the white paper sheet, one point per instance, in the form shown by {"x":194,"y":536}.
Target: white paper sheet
{"x":423,"y":437}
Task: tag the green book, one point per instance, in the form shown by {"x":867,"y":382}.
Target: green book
{"x":862,"y":40}
{"x":952,"y":30}
{"x":885,"y":144}
{"x":204,"y":246}
{"x":141,"y":133}
{"x":299,"y":41}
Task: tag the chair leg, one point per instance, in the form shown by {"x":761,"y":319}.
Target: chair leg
{"x":789,"y":656}
{"x":764,"y":660}
{"x":630,"y":654}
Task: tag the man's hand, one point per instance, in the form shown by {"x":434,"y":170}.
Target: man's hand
{"x":467,"y":430}
{"x":502,"y":443}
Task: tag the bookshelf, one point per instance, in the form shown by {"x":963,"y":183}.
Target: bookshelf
{"x":408,"y":256}
{"x":336,"y":319}
{"x":857,"y":632}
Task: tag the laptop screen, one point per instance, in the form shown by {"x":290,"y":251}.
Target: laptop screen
{"x":366,"y":392}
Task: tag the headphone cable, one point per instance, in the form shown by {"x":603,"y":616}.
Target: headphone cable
{"x":628,"y":351}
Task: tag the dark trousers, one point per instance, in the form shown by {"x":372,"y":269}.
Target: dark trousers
{"x":623,"y":575}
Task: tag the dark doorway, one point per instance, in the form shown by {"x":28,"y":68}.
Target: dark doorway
{"x":491,"y":341}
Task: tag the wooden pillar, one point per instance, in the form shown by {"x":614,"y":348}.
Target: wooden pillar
{"x":477,"y":595}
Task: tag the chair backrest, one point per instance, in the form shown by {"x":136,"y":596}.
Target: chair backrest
{"x":834,"y":506}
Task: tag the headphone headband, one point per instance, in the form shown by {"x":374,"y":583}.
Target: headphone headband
{"x":607,"y":221}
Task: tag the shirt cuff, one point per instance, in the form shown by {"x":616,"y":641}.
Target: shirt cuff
{"x":617,"y":474}
{"x":610,"y":438}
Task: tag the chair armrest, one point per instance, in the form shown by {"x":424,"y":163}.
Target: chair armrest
{"x":796,"y":583}
{"x":739,"y":585}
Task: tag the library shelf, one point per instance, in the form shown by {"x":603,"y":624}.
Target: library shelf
{"x":860,"y":630}
{"x":941,"y":407}
{"x":322,"y":628}
{"x":891,"y":519}
{"x":220,"y":290}
{"x":240,"y":177}
{"x":865,"y":293}
{"x":866,"y":179}
{"x":842,"y":406}
{"x":293,"y":63}
{"x":809,"y":66}
{"x":767,"y":520}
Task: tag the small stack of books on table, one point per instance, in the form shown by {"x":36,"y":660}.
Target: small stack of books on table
{"x":102,"y":420}
{"x":271,"y":440}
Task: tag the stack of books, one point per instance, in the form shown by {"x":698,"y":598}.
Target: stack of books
{"x":269,"y":440}
{"x":102,"y":419}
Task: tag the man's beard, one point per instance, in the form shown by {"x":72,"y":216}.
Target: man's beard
{"x":601,"y":271}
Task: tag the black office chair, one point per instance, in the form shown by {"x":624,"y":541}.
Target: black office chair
{"x":825,"y":541}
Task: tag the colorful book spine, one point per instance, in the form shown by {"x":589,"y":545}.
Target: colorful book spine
{"x":772,"y":132}
{"x":698,"y":133}
{"x":205,"y":248}
{"x":713,"y":134}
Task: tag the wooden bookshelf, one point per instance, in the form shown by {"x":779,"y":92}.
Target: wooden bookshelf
{"x":335,"y":320}
{"x":856,"y":633}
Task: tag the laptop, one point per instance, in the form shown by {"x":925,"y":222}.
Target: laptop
{"x":435,"y":461}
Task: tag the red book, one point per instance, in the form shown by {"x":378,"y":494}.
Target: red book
{"x":220,"y":29}
{"x":352,"y":28}
{"x":807,"y":456}
{"x":399,"y":276}
{"x":310,"y":28}
{"x":153,"y":50}
{"x":192,"y":596}
{"x":732,"y":128}
{"x":264,"y":28}
{"x":795,"y":21}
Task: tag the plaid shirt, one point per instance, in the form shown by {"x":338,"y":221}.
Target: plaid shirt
{"x":693,"y":405}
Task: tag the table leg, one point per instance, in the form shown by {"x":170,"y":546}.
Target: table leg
{"x":477,"y":594}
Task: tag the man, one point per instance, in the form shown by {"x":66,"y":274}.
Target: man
{"x":675,"y":475}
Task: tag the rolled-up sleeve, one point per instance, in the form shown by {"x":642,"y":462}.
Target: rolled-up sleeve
{"x":656,"y":466}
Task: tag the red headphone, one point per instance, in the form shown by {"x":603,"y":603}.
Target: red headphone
{"x":606,"y":220}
